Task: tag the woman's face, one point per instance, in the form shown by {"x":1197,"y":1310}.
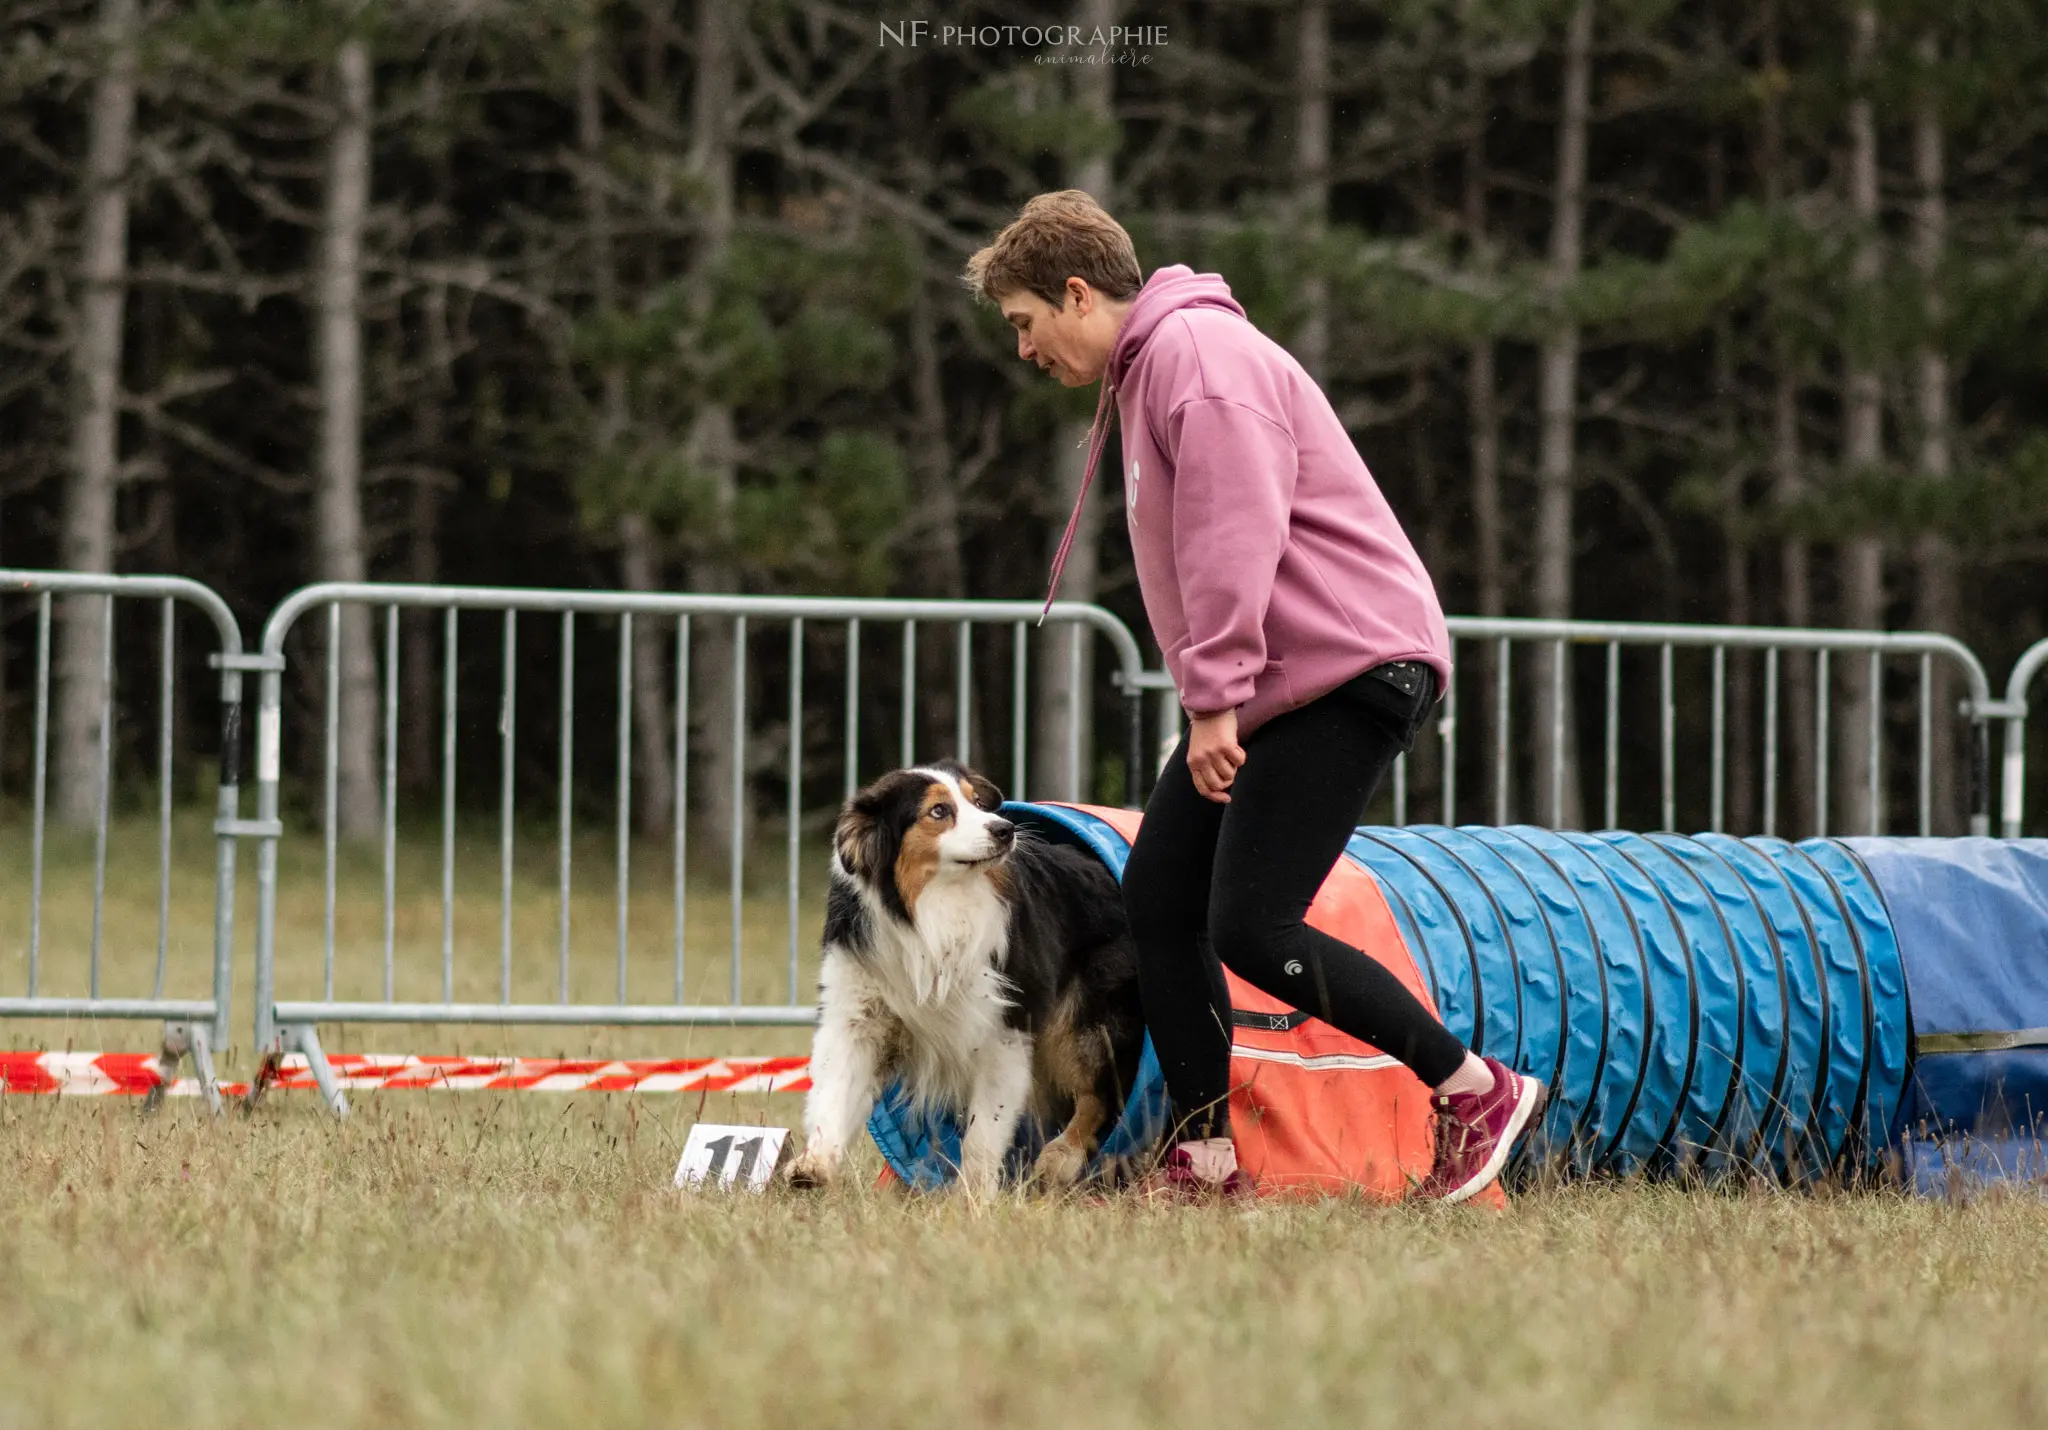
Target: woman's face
{"x":1071,"y":342}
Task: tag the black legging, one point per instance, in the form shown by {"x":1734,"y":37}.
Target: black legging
{"x":1212,"y":884}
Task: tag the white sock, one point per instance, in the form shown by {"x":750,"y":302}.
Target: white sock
{"x":1473,"y":1076}
{"x":1213,"y":1160}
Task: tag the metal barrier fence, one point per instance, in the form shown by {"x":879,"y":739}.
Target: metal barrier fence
{"x":289,"y":1023}
{"x":2013,"y":710}
{"x":194,"y":1025}
{"x":882,"y":719}
{"x":1497,"y":642}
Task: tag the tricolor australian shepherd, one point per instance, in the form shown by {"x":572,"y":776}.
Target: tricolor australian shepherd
{"x":991,"y":971}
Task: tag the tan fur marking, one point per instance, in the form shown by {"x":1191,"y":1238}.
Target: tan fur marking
{"x":918,"y":860}
{"x":851,"y":826}
{"x":1064,"y":1158}
{"x":1069,"y":1059}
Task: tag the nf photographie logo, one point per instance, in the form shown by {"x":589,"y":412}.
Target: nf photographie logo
{"x":1049,"y":44}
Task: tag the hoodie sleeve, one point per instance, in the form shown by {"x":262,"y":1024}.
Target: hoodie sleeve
{"x":1233,"y":489}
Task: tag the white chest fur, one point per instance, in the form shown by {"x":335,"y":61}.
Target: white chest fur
{"x":941,"y":979}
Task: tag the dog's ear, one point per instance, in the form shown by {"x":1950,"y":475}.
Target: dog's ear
{"x":861,"y":838}
{"x":980,"y":788}
{"x":984,"y":791}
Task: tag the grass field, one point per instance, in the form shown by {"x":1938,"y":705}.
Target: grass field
{"x":491,"y":1259}
{"x":474,"y":1259}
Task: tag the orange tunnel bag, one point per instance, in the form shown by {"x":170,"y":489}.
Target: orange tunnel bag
{"x":1315,"y":1112}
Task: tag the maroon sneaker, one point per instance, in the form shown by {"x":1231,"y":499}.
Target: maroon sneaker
{"x":1175,"y":1180}
{"x":1475,"y":1132}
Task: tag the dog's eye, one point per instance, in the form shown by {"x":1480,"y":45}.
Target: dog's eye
{"x":941,"y":811}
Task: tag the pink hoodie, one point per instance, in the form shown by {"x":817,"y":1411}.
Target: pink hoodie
{"x":1272,"y":568}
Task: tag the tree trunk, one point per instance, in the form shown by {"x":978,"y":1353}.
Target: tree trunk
{"x":87,"y":540}
{"x":1939,"y":607}
{"x":1739,"y":696}
{"x":1312,"y":181}
{"x":338,"y":367}
{"x":639,"y":549}
{"x":1794,"y":809}
{"x":1558,"y":407}
{"x":1482,"y":416}
{"x":1862,"y":557}
{"x":711,"y":445}
{"x":936,"y":532}
{"x":1482,"y":396}
{"x":421,"y":693}
{"x":1055,"y":772}
{"x":420,"y":747}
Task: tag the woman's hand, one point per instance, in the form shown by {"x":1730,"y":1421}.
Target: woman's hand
{"x":1214,"y":754}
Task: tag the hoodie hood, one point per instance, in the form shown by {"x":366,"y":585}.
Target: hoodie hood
{"x":1170,"y":290}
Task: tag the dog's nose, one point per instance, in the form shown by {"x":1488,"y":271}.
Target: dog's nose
{"x":1002,"y":831}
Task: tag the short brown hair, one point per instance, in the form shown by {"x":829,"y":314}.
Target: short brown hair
{"x":1056,"y":237}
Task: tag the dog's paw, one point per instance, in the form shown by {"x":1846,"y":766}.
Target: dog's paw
{"x":810,"y":1172}
{"x":1060,"y":1165}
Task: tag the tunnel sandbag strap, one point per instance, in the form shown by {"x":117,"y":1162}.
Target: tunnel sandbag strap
{"x":1269,"y":1022}
{"x":1981,"y":1042}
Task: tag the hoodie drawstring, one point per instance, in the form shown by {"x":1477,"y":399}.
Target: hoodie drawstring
{"x":1098,"y":440}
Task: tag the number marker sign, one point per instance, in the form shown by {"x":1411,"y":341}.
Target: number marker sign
{"x":727,"y":1157}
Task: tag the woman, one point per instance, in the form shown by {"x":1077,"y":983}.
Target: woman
{"x":1307,"y":647}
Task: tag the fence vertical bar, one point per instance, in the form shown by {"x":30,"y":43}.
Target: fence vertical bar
{"x":448,"y":697}
{"x":963,"y":693}
{"x":796,"y":785}
{"x":682,"y":792}
{"x":507,"y":719}
{"x":1667,"y":720}
{"x":41,"y":795}
{"x":167,"y":698}
{"x":852,"y":706}
{"x":1074,"y":698}
{"x":104,"y":793}
{"x":1820,"y":740}
{"x":1557,"y":695}
{"x":623,"y":834}
{"x":1400,"y":790}
{"x":909,"y":693}
{"x":331,"y":776}
{"x":1611,"y":734}
{"x":1926,"y":775}
{"x":269,"y":736}
{"x":390,"y":799}
{"x":1717,"y":804}
{"x":1500,"y":731}
{"x":565,"y":764}
{"x":1875,"y":808}
{"x":1770,"y":741}
{"x":737,"y":850}
{"x":227,"y":805}
{"x":1447,"y":731}
{"x":1020,"y":700}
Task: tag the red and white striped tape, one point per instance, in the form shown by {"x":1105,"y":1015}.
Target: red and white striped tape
{"x":134,"y":1074}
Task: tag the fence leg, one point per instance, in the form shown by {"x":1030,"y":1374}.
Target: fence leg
{"x":304,"y":1038}
{"x":182,"y":1040}
{"x":202,"y":1064}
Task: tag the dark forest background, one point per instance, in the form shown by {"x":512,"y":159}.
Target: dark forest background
{"x":1701,"y":311}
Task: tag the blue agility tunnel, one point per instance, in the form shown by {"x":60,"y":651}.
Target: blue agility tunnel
{"x":1701,"y":1005}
